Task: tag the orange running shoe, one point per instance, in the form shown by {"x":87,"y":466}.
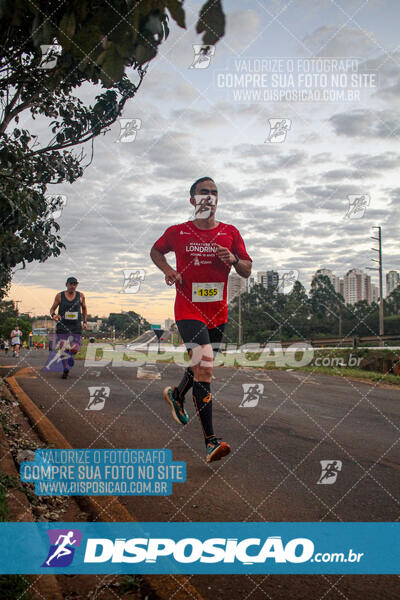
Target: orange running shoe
{"x":216,"y":449}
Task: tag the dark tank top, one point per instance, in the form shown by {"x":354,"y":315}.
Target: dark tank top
{"x":71,"y":315}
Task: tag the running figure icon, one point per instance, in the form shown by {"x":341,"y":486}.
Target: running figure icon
{"x":62,"y":549}
{"x":329,"y":471}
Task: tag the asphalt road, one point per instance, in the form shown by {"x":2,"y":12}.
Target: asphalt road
{"x":272,"y":472}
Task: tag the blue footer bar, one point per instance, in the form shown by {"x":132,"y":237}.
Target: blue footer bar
{"x":195,"y":548}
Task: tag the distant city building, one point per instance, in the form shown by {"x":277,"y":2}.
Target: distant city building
{"x":262,"y":278}
{"x":48,"y":324}
{"x":354,"y":286}
{"x":250,"y":281}
{"x":357,"y":286}
{"x":168,"y":323}
{"x":236,"y":284}
{"x":334,"y":279}
{"x":268,"y":278}
{"x":341,"y":286}
{"x":392,"y":281}
{"x":94,"y":326}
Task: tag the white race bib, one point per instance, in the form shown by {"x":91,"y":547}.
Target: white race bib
{"x":71,"y":316}
{"x":208,"y":292}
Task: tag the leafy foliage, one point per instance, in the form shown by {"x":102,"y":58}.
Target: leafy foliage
{"x":8,"y":319}
{"x":269,"y":316}
{"x":7,"y":309}
{"x":126,"y":324}
{"x":392,"y":302}
{"x":211,"y":22}
{"x":48,"y":51}
{"x":9,"y":324}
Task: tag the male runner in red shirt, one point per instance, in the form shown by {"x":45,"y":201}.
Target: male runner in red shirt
{"x":205,"y":251}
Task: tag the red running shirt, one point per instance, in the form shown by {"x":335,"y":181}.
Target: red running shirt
{"x":198,"y":263}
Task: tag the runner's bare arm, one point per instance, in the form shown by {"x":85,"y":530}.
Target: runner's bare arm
{"x":56,"y":303}
{"x":171,"y":276}
{"x":84,"y":310}
{"x":242,"y":267}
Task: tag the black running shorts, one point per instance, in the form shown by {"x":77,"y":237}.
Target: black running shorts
{"x":196,"y":333}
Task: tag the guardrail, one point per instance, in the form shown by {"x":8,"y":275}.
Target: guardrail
{"x":352,"y":342}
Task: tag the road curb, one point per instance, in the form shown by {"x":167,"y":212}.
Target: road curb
{"x":105,"y":508}
{"x":47,"y":585}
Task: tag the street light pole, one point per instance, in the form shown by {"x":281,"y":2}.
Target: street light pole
{"x":380,"y":269}
{"x":381,"y":322}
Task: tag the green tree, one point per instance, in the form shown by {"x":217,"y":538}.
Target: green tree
{"x":322,"y":296}
{"x":48,"y":51}
{"x":392,"y":324}
{"x":326,"y":305}
{"x":392,"y":302}
{"x":7,"y":309}
{"x":263,"y":311}
{"x":9,"y":324}
{"x":297,"y":313}
{"x":126,"y":324}
{"x":364,"y":318}
{"x":93,"y":318}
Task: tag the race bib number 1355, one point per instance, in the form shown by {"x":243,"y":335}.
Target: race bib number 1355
{"x":208,"y":292}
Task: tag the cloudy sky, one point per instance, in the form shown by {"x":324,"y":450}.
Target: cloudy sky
{"x":289,"y":199}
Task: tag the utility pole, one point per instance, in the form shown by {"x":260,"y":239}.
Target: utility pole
{"x":240,"y":341}
{"x":380,"y":269}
